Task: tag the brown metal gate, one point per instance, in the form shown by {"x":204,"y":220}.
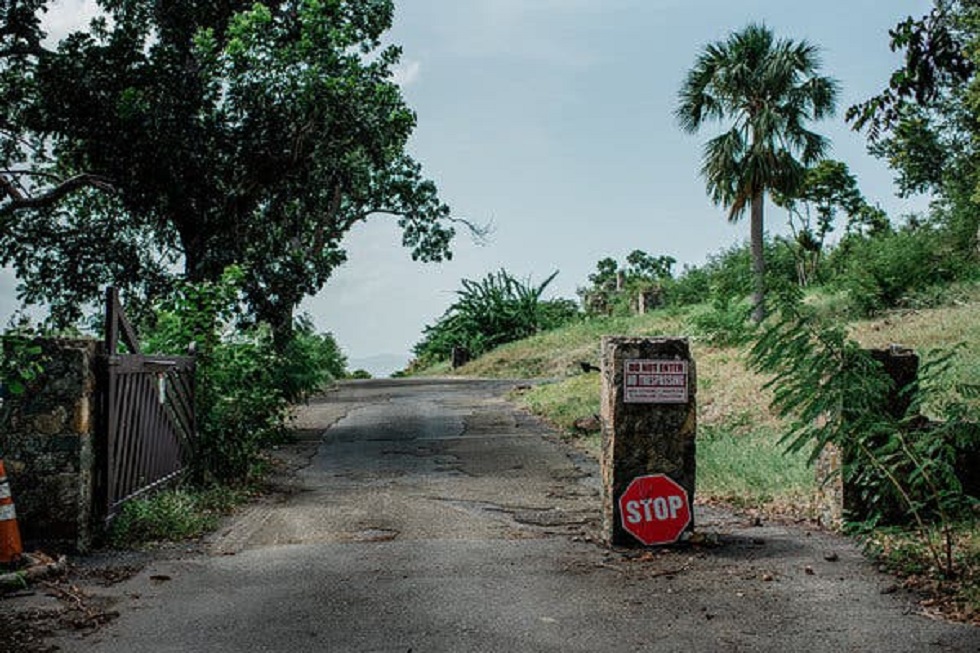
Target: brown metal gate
{"x":149,"y":413}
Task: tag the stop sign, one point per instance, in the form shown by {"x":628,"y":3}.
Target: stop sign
{"x":654,"y":509}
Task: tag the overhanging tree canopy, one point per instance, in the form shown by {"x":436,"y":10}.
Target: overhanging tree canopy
{"x":924,"y":124}
{"x":227,"y":132}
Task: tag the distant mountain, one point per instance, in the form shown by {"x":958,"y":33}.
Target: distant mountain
{"x":379,"y":365}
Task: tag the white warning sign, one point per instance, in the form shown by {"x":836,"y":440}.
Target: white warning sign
{"x":655,"y":381}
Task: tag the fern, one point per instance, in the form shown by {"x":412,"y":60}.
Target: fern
{"x":834,"y":392}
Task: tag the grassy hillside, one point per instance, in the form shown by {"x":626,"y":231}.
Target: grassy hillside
{"x":739,"y":455}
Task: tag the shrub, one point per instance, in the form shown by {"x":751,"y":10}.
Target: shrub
{"x":836,"y":393}
{"x":244,"y":405}
{"x":244,"y":386}
{"x":883,"y":271}
{"x":310,"y":361}
{"x":726,"y":278}
{"x":693,"y":286}
{"x":488,"y":313}
{"x":725,"y":323}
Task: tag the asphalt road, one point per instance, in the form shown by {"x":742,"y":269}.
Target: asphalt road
{"x":433,"y":516}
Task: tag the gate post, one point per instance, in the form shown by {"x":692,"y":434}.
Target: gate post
{"x":837,"y":495}
{"x":48,"y":442}
{"x":649,"y":423}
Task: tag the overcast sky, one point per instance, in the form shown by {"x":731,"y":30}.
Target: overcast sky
{"x":554,"y":120}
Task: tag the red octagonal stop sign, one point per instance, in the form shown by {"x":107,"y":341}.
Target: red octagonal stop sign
{"x":654,"y":509}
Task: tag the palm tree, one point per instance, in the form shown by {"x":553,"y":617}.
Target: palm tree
{"x":767,"y":89}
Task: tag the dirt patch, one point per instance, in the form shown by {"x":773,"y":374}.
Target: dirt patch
{"x":28,"y":618}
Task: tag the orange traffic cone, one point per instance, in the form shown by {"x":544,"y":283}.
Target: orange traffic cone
{"x":10,"y":544}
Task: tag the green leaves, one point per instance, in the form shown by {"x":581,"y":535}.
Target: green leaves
{"x":825,"y":190}
{"x":245,"y":384}
{"x":766,"y":89}
{"x":838,"y":394}
{"x":923,"y":124}
{"x":615,"y":289}
{"x":22,"y":362}
{"x":240,"y":133}
{"x":488,"y":313}
{"x":936,"y":60}
{"x":886,"y":270}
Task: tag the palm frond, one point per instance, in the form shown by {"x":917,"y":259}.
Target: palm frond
{"x":768,"y":88}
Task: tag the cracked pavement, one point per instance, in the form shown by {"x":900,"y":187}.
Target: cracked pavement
{"x":432,"y":515}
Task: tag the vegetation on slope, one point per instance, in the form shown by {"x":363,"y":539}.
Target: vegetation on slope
{"x":741,"y":459}
{"x":730,"y":397}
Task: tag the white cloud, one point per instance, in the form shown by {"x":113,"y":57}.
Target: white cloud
{"x":407,"y":72}
{"x":65,"y":16}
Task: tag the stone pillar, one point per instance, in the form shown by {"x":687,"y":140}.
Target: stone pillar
{"x":649,"y":420}
{"x":46,"y":440}
{"x":460,"y":356}
{"x":648,"y":300}
{"x":836,"y":497}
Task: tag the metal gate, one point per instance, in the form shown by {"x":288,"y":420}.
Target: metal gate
{"x":149,"y":413}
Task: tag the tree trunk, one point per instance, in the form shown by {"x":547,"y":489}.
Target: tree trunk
{"x":278,"y":314}
{"x":282,"y":328}
{"x":757,"y":239}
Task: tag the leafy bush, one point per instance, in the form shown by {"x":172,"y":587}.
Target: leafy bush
{"x":244,"y":402}
{"x":729,"y":272}
{"x":244,"y":386}
{"x":692,"y":286}
{"x":310,"y":361}
{"x":726,"y":279}
{"x":727,"y":320}
{"x":21,"y":361}
{"x":172,"y":515}
{"x":886,"y":270}
{"x":836,"y":393}
{"x":557,"y":312}
{"x":491,"y":312}
{"x":725,"y":323}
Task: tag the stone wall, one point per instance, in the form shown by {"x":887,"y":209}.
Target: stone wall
{"x":47,"y":444}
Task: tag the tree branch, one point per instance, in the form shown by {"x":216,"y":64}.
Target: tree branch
{"x":479,"y":232}
{"x":18,"y":201}
{"x":23,"y":50}
{"x":10,"y":189}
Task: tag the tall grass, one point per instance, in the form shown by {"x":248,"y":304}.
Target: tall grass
{"x":739,"y":460}
{"x":748,"y":467}
{"x":172,"y":515}
{"x":556,"y":353}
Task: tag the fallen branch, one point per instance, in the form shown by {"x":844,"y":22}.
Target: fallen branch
{"x":18,"y":580}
